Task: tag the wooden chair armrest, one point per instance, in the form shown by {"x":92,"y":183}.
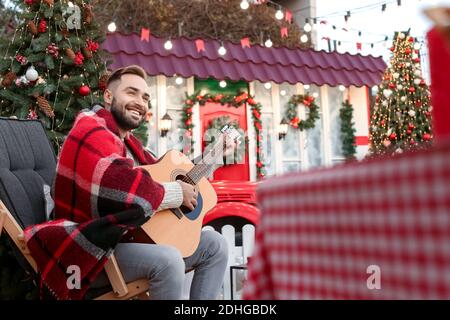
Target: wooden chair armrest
{"x":2,"y":220}
{"x":16,"y":233}
{"x":115,"y":277}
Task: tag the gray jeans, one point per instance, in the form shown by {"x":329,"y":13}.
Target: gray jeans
{"x":165,"y":269}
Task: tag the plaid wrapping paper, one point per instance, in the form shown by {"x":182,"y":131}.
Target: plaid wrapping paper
{"x":99,"y":195}
{"x":321,"y":230}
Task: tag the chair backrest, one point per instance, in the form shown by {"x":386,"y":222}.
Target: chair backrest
{"x":27,"y":163}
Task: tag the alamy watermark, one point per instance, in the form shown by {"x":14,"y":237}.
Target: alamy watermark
{"x":374,"y":280}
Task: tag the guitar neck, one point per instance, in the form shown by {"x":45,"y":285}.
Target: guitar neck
{"x":212,"y":160}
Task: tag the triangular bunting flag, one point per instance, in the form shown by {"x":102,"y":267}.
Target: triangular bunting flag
{"x":245,"y":42}
{"x":200,"y":44}
{"x":145,"y":34}
{"x":284,"y":32}
{"x":288,"y":16}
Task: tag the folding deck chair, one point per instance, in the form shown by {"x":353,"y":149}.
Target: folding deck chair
{"x":27,"y":163}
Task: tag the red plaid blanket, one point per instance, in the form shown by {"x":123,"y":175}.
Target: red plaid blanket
{"x":337,"y":233}
{"x":99,"y":195}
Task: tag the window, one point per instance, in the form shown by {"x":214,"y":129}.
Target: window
{"x":335,"y":99}
{"x":264,"y":96}
{"x":291,"y":143}
{"x":153,"y":133}
{"x":175,"y":95}
{"x":314,"y":136}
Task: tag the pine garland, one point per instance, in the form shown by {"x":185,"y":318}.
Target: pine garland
{"x":347,"y":130}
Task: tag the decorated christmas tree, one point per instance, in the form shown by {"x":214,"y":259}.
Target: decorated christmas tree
{"x":401,"y":116}
{"x":52,"y":67}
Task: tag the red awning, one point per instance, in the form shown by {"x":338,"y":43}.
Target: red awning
{"x":279,"y":65}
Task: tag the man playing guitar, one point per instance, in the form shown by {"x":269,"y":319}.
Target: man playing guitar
{"x":99,"y":174}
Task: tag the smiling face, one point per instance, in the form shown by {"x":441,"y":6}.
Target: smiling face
{"x":128,"y":101}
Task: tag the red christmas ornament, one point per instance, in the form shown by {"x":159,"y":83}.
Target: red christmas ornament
{"x":411,"y":126}
{"x":29,"y":2}
{"x":189,"y":102}
{"x":428,"y":113}
{"x":418,"y":104}
{"x":32,"y":114}
{"x":382,"y":122}
{"x":53,"y":50}
{"x":218,"y":97}
{"x":294,"y":122}
{"x":408,"y":51}
{"x":392,"y":136}
{"x":251,"y":102}
{"x":199,"y":98}
{"x":411,"y":39}
{"x":188,"y":122}
{"x":392,"y":49}
{"x":79,"y":58}
{"x":257,"y":125}
{"x":408,"y":132}
{"x":21,"y":59}
{"x":422,"y":83}
{"x":42,"y":26}
{"x":189,"y":110}
{"x":92,"y":45}
{"x":426,"y":137}
{"x":84,"y":90}
{"x":412,"y":90}
{"x":391,"y":85}
{"x":411,"y":142}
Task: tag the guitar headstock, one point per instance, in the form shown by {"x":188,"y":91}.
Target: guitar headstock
{"x":231,"y":132}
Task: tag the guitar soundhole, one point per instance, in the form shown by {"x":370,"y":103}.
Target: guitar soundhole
{"x":184,"y":209}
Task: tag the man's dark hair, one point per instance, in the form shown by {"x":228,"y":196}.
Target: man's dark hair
{"x":132,"y":69}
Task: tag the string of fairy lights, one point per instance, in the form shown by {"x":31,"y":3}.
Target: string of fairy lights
{"x":314,"y":23}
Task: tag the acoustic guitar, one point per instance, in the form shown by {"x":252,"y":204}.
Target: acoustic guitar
{"x":181,"y":227}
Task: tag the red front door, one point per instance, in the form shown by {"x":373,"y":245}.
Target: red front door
{"x":210,"y":111}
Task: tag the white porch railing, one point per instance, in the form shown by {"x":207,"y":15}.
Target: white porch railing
{"x":237,"y":255}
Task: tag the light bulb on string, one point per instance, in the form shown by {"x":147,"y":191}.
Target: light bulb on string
{"x":283,"y":92}
{"x":222,"y":51}
{"x":179,"y":80}
{"x":304,"y":38}
{"x":244,"y":5}
{"x":112,"y":27}
{"x":168,"y":45}
{"x":279,"y":14}
{"x":307,"y":27}
{"x":341,"y":88}
{"x":267,"y":85}
{"x":268,"y":43}
{"x":223,"y":84}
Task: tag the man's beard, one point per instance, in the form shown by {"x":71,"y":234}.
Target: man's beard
{"x":121,"y":118}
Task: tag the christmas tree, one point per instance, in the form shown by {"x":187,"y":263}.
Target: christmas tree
{"x":401,"y":116}
{"x":52,"y":67}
